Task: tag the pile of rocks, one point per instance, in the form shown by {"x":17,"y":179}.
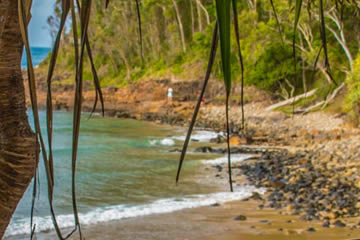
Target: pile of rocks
{"x":301,"y":184}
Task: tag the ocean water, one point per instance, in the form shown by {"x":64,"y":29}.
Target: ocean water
{"x":125,"y":170}
{"x":38,"y":55}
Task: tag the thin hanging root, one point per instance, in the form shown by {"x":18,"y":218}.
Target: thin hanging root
{"x":237,"y":34}
{"x":23,"y":19}
{"x":140,"y":29}
{"x":215,"y":41}
{"x":228,"y":141}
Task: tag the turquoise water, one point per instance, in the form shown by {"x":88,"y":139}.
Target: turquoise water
{"x":38,"y":54}
{"x":124,"y":170}
{"x":119,"y":162}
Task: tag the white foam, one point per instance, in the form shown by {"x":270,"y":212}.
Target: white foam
{"x":164,"y":142}
{"x":21,"y":226}
{"x":234,"y":159}
{"x":201,"y":136}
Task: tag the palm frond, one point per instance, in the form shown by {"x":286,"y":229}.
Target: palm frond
{"x":84,"y":9}
{"x":223,"y":14}
{"x":24,"y":16}
{"x":49,"y":106}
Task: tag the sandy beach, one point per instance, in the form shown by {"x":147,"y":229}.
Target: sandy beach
{"x":213,"y":223}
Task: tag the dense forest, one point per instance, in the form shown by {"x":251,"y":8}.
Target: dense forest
{"x":175,"y":37}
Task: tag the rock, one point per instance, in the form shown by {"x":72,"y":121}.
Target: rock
{"x":122,"y":115}
{"x":215,"y":205}
{"x":326,"y":224}
{"x":219,"y":168}
{"x":256,"y":196}
{"x":289,"y":232}
{"x":289,"y":208}
{"x":205,"y":149}
{"x":218,"y":139}
{"x":330,"y":215}
{"x":175,"y":150}
{"x":240,"y":218}
{"x":236,"y":140}
{"x":339,"y":224}
{"x":311,"y":229}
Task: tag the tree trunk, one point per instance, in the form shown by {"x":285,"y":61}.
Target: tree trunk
{"x":205,"y":11}
{"x":17,"y":142}
{"x":198,"y":8}
{"x":181,"y":27}
{"x":303,"y":65}
{"x":160,"y":24}
{"x":192,"y":18}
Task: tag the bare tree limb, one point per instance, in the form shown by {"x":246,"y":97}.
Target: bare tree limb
{"x":291,"y":100}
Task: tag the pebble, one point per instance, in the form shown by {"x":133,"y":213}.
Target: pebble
{"x":311,"y":229}
{"x":215,"y":205}
{"x":339,"y":224}
{"x":240,"y":218}
{"x":326,"y":224}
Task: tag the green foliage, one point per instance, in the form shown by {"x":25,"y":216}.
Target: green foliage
{"x":223,"y":13}
{"x":268,"y":60}
{"x":353,"y":87}
{"x":274,"y":65}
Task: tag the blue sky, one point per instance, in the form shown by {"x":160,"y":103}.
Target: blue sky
{"x":38,"y":29}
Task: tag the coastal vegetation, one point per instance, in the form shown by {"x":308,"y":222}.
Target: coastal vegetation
{"x":128,"y":42}
{"x":176,"y":41}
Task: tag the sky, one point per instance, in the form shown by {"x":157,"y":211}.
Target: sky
{"x":38,"y":29}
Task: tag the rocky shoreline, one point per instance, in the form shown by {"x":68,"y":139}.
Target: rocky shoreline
{"x":309,"y":163}
{"x":302,"y":183}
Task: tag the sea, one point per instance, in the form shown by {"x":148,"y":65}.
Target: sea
{"x":126,"y":169}
{"x":38,"y":55}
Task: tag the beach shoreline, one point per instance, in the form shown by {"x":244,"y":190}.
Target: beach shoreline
{"x":223,"y":222}
{"x":323,"y":144}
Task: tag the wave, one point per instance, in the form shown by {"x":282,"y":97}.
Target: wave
{"x":201,"y":136}
{"x":22,"y":226}
{"x":234,"y":158}
{"x":164,"y":142}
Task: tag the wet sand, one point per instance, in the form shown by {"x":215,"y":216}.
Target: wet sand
{"x":214,"y":223}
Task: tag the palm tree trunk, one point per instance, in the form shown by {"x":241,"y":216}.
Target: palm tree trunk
{"x":18,"y":151}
